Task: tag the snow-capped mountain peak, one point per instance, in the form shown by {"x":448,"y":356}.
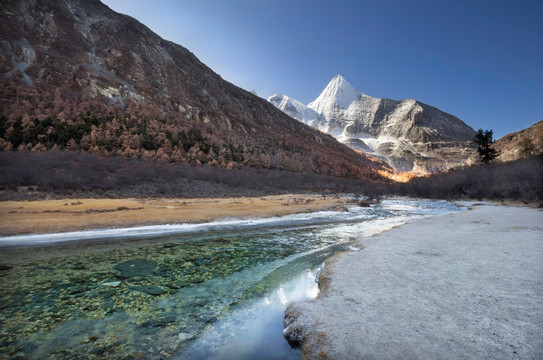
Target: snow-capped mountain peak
{"x":337,"y":93}
{"x":403,"y":132}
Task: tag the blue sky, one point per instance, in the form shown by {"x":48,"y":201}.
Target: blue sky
{"x":479,"y":60}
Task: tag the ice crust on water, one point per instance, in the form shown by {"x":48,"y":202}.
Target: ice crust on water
{"x":258,"y":328}
{"x":225,"y":224}
{"x":393,"y":211}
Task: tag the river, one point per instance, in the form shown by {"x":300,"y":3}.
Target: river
{"x":190,"y":291}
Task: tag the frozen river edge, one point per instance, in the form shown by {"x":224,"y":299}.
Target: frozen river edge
{"x":466,"y":285}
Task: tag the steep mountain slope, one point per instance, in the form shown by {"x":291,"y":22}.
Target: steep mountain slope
{"x":77,"y":75}
{"x":521,"y":144}
{"x":410,"y":135}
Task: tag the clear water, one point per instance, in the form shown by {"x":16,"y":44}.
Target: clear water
{"x":207,"y":291}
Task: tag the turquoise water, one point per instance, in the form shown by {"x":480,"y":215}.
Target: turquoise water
{"x":209,"y":294}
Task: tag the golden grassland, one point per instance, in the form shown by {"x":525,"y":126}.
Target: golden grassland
{"x":51,"y":216}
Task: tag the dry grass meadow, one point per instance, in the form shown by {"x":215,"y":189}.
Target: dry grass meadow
{"x":51,"y":216}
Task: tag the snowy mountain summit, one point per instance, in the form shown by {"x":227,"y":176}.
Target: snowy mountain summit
{"x":338,"y":93}
{"x":408,"y":134}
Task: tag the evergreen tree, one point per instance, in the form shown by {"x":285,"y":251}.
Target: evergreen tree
{"x":484,"y":141}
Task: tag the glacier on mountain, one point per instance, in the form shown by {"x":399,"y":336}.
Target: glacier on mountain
{"x":408,"y":134}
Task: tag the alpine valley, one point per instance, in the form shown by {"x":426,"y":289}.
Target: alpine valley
{"x":407,"y":134}
{"x":77,"y":76}
{"x":149,"y":209}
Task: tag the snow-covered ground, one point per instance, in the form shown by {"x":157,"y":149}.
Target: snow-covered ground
{"x":462,"y":286}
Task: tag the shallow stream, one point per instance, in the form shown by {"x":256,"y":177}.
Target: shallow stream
{"x":206,"y":291}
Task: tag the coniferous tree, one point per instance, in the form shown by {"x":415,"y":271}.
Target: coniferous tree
{"x":484,"y":140}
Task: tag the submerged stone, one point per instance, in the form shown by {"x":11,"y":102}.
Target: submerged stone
{"x":150,"y":289}
{"x":77,"y":291}
{"x":97,"y":350}
{"x":185,"y":336}
{"x":170,"y":317}
{"x":109,"y":293}
{"x":139,"y":267}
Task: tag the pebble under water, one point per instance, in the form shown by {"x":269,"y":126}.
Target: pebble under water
{"x":180,"y":296}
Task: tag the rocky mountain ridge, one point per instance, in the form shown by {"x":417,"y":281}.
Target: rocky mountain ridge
{"x":520,"y":144}
{"x":77,"y":75}
{"x":408,"y":134}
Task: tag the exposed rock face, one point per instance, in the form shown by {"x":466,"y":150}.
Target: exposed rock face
{"x":81,"y":48}
{"x":410,"y":135}
{"x":520,"y":144}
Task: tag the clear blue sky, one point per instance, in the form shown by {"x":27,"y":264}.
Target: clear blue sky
{"x":480,"y":60}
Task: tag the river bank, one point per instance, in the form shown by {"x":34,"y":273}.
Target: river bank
{"x":55,"y":216}
{"x":467,"y":285}
{"x":211,"y":290}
